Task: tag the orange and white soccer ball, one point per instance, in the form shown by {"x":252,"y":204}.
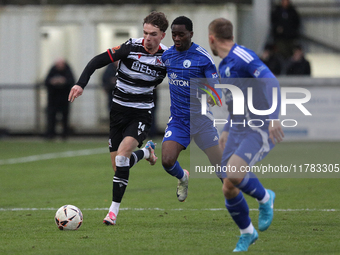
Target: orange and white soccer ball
{"x":68,"y":217}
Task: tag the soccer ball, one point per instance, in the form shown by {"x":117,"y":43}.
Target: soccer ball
{"x":68,"y":217}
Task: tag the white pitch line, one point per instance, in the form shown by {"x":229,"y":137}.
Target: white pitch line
{"x":161,"y":209}
{"x":66,"y":154}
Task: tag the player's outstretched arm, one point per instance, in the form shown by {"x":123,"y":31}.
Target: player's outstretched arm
{"x":275,"y":131}
{"x":75,"y":92}
{"x":97,"y":62}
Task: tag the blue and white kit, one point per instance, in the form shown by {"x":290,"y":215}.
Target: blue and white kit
{"x":182,"y":67}
{"x":247,"y":137}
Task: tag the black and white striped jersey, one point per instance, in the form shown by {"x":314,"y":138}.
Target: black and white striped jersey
{"x":138,"y":73}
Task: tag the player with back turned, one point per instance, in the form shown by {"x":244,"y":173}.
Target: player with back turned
{"x":140,"y":70}
{"x":185,"y":61}
{"x":244,"y":145}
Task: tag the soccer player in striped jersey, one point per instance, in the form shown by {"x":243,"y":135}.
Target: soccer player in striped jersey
{"x":184,"y":61}
{"x":244,"y":145}
{"x":139,"y":71}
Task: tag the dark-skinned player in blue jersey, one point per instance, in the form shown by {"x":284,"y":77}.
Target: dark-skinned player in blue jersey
{"x":184,"y":61}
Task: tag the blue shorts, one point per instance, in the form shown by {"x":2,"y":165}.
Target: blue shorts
{"x":202,"y":131}
{"x":250,"y":146}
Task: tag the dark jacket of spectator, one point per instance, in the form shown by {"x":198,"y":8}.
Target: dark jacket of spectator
{"x":285,"y":21}
{"x":298,"y":64}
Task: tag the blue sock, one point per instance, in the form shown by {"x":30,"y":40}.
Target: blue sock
{"x":252,"y":186}
{"x":176,"y":170}
{"x":239,"y":210}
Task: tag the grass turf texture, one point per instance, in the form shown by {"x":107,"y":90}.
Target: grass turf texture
{"x":152,"y":221}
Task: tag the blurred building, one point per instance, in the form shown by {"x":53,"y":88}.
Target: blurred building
{"x":33,"y":33}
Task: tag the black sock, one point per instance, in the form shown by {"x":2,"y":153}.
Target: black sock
{"x":120,"y":181}
{"x":135,"y":157}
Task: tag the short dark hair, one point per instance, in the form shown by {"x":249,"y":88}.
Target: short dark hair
{"x":222,"y":29}
{"x":157,"y":19}
{"x":182,"y":20}
{"x":297,"y":46}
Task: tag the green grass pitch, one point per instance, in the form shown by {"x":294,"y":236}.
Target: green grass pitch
{"x":151,"y":220}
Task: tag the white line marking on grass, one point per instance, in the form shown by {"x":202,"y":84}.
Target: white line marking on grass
{"x":66,"y":154}
{"x":161,"y":209}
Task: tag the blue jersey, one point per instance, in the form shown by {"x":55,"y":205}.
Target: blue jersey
{"x":244,"y":69}
{"x":182,"y":66}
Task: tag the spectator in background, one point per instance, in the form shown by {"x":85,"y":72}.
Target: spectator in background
{"x":59,"y":81}
{"x":271,"y":59}
{"x":298,"y":64}
{"x":285,"y":25}
{"x":109,"y":82}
